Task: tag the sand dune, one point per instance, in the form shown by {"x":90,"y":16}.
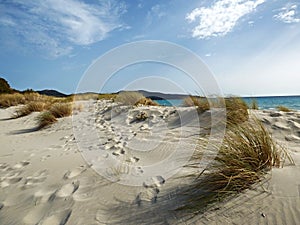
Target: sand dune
{"x":52,"y":176}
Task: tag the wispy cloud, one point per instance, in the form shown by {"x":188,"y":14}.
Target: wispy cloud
{"x":156,"y":12}
{"x":56,"y":26}
{"x":288,"y":14}
{"x":221,"y":17}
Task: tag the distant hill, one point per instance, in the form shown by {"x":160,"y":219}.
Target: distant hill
{"x":159,"y":96}
{"x":52,"y":93}
{"x":5,"y":87}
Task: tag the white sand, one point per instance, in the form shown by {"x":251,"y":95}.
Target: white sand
{"x":45,"y":180}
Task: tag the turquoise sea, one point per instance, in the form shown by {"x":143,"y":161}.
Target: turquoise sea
{"x":270,"y":102}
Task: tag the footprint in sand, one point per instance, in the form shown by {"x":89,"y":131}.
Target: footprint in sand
{"x":3,"y":166}
{"x":75,"y":172}
{"x":152,"y":190}
{"x":11,"y":177}
{"x":44,"y":195}
{"x":9,"y":181}
{"x":36,"y":214}
{"x":57,"y":219}
{"x":68,"y":189}
{"x":36,"y":178}
{"x":21,"y":165}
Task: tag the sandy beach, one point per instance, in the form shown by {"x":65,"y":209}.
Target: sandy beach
{"x":68,"y":173}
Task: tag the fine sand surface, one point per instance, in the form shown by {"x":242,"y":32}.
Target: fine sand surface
{"x":51,"y":176}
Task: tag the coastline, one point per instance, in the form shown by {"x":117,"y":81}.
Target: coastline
{"x":45,"y":180}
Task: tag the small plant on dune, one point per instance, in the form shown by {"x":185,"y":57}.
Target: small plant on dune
{"x":247,"y":153}
{"x":59,"y":110}
{"x":31,"y":107}
{"x":146,"y":102}
{"x":254,"y":104}
{"x":201,"y":103}
{"x":106,"y":96}
{"x":236,"y":110}
{"x":45,"y":119}
{"x":284,"y":109}
{"x":133,"y":98}
{"x":129,"y":97}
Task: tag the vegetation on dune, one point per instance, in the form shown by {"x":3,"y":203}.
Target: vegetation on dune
{"x":31,"y":107}
{"x":133,"y":98}
{"x":236,"y":108}
{"x":8,"y":100}
{"x":201,"y":103}
{"x":59,"y":110}
{"x":254,"y":104}
{"x":283,"y":109}
{"x":248,"y":152}
{"x":45,"y":119}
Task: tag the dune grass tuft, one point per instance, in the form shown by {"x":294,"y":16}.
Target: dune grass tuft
{"x":283,"y":109}
{"x":247,"y":153}
{"x":254,"y":104}
{"x":236,"y":110}
{"x":201,"y":103}
{"x":59,"y":110}
{"x":133,"y":98}
{"x":236,"y":107}
{"x":45,"y":119}
{"x":31,"y":107}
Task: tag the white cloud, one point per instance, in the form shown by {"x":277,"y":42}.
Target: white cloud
{"x":57,"y":25}
{"x":288,"y":14}
{"x":221,"y":17}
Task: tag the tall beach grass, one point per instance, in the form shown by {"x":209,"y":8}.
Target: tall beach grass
{"x":247,"y":154}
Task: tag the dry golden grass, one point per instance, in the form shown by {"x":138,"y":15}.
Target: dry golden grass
{"x":59,"y":110}
{"x":45,"y":119}
{"x":133,"y":98}
{"x":247,"y":153}
{"x":146,"y":102}
{"x":201,"y":103}
{"x":236,"y":110}
{"x":31,"y":107}
{"x":283,"y":109}
{"x":7,"y":100}
{"x":107,"y":96}
{"x":254,"y":104}
{"x":129,"y":97}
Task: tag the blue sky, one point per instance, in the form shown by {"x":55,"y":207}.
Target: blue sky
{"x":252,"y":47}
